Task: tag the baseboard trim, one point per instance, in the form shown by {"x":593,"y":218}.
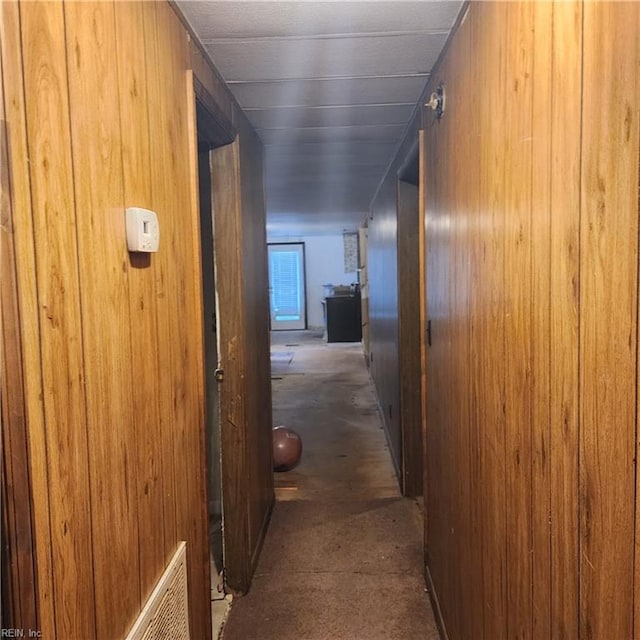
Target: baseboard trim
{"x":435,"y":604}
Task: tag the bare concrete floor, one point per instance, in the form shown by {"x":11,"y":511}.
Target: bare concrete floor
{"x":343,"y":555}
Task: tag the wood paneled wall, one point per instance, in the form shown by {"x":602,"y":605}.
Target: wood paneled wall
{"x":382,"y":253}
{"x":532,"y":292}
{"x":393,"y":271}
{"x":18,"y":568}
{"x":409,"y":335}
{"x":100,"y":116}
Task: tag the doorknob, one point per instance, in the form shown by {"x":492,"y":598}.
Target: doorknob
{"x":219,"y":375}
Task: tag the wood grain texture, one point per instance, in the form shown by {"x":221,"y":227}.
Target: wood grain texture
{"x":493,"y":134}
{"x":225,"y":177}
{"x":25,"y":268}
{"x":158,"y":125}
{"x":551,"y":373}
{"x":143,"y":322}
{"x":20,"y":598}
{"x":438,"y":452}
{"x":103,"y":264}
{"x":180,"y":306}
{"x":245,"y":394}
{"x":443,"y":426}
{"x":463,"y":189}
{"x":489,"y":244}
{"x":540,"y":329}
{"x":564,"y":309}
{"x":474,"y":84}
{"x":518,"y":313}
{"x":608,"y":318}
{"x":61,"y":350}
{"x":194,"y":512}
{"x":112,"y":349}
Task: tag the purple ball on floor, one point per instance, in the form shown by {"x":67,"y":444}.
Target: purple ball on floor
{"x":287,"y":448}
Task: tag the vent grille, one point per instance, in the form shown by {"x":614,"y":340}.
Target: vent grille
{"x":166,"y":613}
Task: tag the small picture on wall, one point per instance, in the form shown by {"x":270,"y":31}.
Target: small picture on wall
{"x":350,"y":252}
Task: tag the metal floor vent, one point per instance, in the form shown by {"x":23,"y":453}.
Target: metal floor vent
{"x":166,"y":614}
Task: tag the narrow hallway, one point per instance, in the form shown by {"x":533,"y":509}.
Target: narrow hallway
{"x":342,"y":557}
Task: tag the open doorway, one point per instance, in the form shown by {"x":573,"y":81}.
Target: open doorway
{"x":210,"y":323}
{"x":211,"y":134}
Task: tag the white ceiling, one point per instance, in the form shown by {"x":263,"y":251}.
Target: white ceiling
{"x":330,"y":87}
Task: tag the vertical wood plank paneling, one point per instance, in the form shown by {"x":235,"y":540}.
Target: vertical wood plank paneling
{"x":466,"y":180}
{"x":20,"y":604}
{"x":163,"y":260}
{"x":491,"y":372}
{"x":553,"y":305}
{"x":564,"y":286}
{"x":116,"y":439}
{"x":165,"y":128}
{"x":25,"y":265}
{"x":609,"y":273}
{"x":178,"y":208}
{"x":441,"y":449}
{"x":194,"y":510}
{"x":472,"y":355}
{"x":540,"y":329}
{"x":104,"y":265}
{"x":55,"y":245}
{"x":450,"y":277}
{"x":518,"y":315}
{"x":136,"y":166}
{"x":474,"y":85}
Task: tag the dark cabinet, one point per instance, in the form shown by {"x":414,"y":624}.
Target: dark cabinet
{"x":343,"y":318}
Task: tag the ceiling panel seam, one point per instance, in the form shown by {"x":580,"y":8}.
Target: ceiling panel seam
{"x":412,"y":74}
{"x":325,"y":36}
{"x":353,"y":105}
{"x":335,"y":126}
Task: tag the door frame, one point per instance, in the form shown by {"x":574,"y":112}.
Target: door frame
{"x":214,"y":128}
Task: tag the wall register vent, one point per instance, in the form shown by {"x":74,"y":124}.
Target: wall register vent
{"x":166,"y":613}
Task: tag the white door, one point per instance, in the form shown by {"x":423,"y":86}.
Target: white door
{"x":286,"y":286}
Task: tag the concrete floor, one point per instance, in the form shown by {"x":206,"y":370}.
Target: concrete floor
{"x":342,"y":559}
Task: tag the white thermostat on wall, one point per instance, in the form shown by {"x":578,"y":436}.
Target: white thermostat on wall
{"x":143,"y":230}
